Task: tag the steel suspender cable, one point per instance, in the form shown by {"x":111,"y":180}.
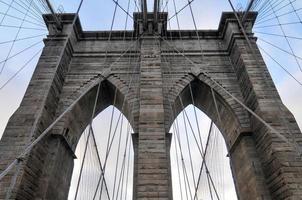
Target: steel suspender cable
{"x":89,"y":133}
{"x":51,"y":126}
{"x":16,"y":37}
{"x":294,"y":143}
{"x":9,"y":6}
{"x":278,"y":35}
{"x":279,"y":48}
{"x":20,"y":11}
{"x":107,"y":149}
{"x":185,"y":176}
{"x":122,"y":170}
{"x":45,"y":132}
{"x":281,"y":66}
{"x":273,"y":18}
{"x":231,"y":95}
{"x":110,"y":145}
{"x":82,"y":165}
{"x":21,"y":39}
{"x":25,"y":20}
{"x":287,"y":41}
{"x":177,"y":138}
{"x":203,"y":161}
{"x":177,"y":162}
{"x":99,"y":160}
{"x":199,"y":148}
{"x":184,"y":111}
{"x":117,"y":158}
{"x":127,"y":174}
{"x":19,"y":70}
{"x":23,"y":50}
{"x":189,"y":150}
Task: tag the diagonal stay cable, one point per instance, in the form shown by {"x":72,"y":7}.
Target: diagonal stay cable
{"x":125,"y":11}
{"x":19,"y":70}
{"x":281,"y":49}
{"x":6,"y":11}
{"x":273,"y":18}
{"x":23,"y":27}
{"x":20,"y":11}
{"x":15,"y":38}
{"x":23,"y":50}
{"x":33,"y":14}
{"x":281,"y":66}
{"x":117,"y":157}
{"x":231,"y":95}
{"x":295,"y":10}
{"x":294,"y":142}
{"x":189,"y":149}
{"x":122,"y":171}
{"x":25,"y":20}
{"x":127,"y":174}
{"x":89,"y":133}
{"x":278,"y":35}
{"x":203,"y":161}
{"x":287,"y":40}
{"x":201,"y":151}
{"x":279,"y":24}
{"x":99,"y":161}
{"x":178,"y":168}
{"x":268,"y":11}
{"x":46,"y":131}
{"x":110,"y":145}
{"x":185,"y":174}
{"x":180,"y":10}
{"x":21,"y":39}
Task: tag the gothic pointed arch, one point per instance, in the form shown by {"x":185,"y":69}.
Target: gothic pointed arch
{"x":234,"y":119}
{"x":112,"y":91}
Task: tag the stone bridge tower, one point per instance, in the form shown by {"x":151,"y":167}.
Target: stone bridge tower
{"x":145,"y":73}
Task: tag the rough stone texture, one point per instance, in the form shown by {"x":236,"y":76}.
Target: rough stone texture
{"x":149,"y":80}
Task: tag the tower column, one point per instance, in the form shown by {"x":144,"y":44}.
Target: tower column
{"x":153,"y":174}
{"x":278,"y":156}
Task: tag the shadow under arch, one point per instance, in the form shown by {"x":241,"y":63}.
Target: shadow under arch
{"x":234,"y":119}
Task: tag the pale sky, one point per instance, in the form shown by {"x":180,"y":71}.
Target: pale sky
{"x":97,"y":15}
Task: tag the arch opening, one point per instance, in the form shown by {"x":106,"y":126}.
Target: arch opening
{"x":99,"y":130}
{"x":195,"y":107}
{"x":193,"y":178}
{"x":108,"y":148}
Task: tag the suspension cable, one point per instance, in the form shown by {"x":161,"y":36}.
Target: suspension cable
{"x":294,"y":142}
{"x":287,"y":41}
{"x":109,"y":147}
{"x":203,"y":161}
{"x":16,"y":37}
{"x":89,"y":133}
{"x":231,"y":95}
{"x":117,"y":158}
{"x":20,"y":11}
{"x":281,"y":66}
{"x":21,"y":39}
{"x":99,"y":160}
{"x":189,"y":150}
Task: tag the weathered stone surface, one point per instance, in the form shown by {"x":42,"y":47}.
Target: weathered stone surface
{"x":149,"y":81}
